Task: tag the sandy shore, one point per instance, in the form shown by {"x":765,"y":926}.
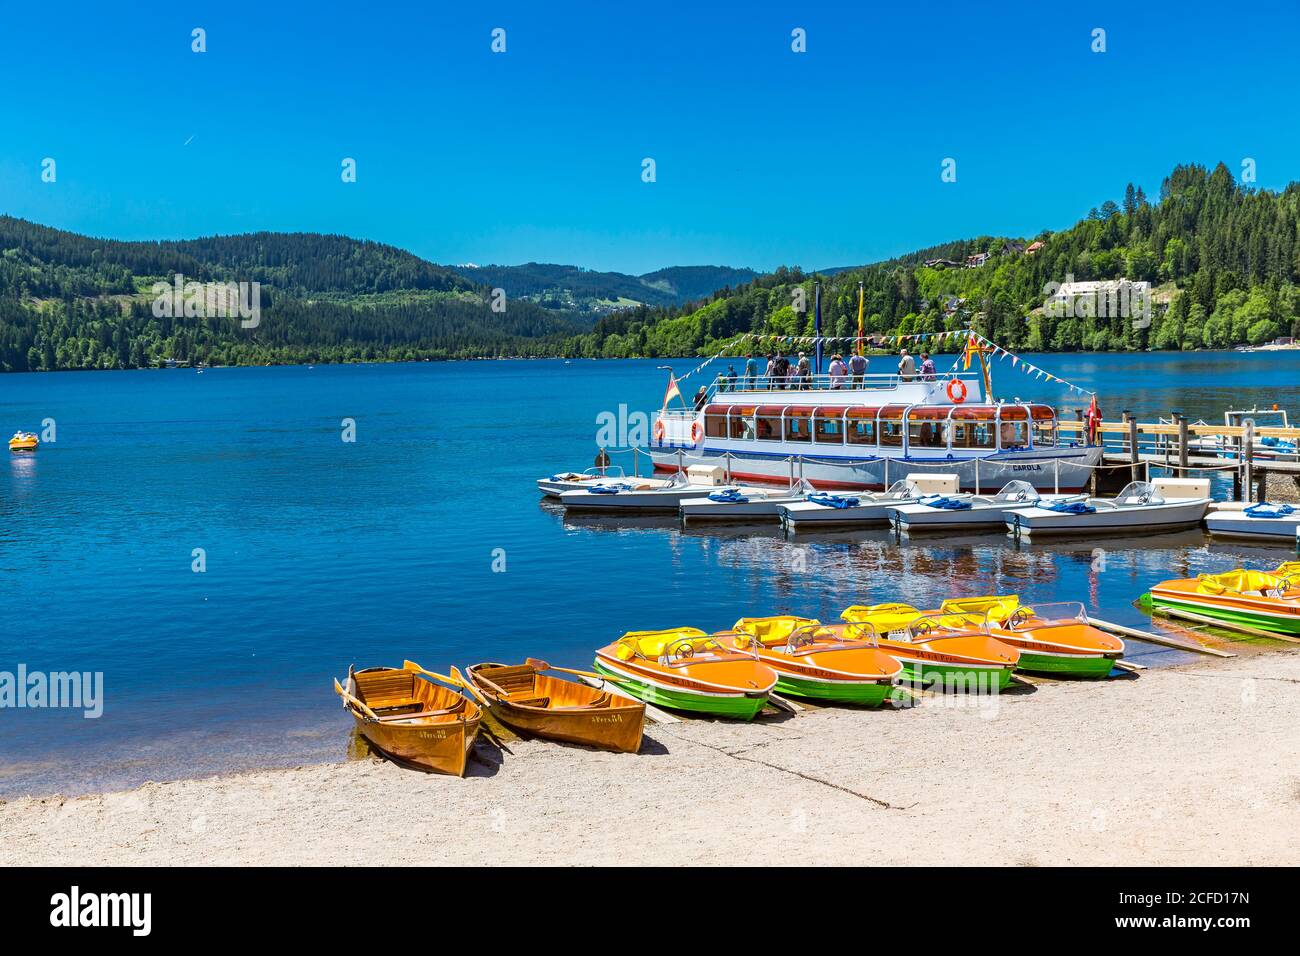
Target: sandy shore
{"x":1189,"y":765}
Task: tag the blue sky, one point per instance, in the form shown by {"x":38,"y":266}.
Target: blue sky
{"x":535,"y":154}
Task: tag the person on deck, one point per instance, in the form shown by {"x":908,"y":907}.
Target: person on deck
{"x":770,"y":373}
{"x":927,"y":367}
{"x":701,"y":397}
{"x":781,"y":371}
{"x":858,"y":366}
{"x":803,"y":372}
{"x":751,"y":370}
{"x":837,"y":370}
{"x":906,"y":366}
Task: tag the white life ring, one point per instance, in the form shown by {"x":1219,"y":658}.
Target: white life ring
{"x":956,"y":391}
{"x":659,"y":430}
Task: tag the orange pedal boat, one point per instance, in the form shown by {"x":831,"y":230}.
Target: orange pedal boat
{"x":946,"y":649}
{"x":818,"y":662}
{"x":685,"y":669}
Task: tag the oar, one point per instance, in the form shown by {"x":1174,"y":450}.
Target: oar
{"x":454,"y":678}
{"x":1130,"y":666}
{"x":338,"y":689}
{"x":654,"y":713}
{"x":1157,"y":638}
{"x":781,"y":703}
{"x":1229,"y":625}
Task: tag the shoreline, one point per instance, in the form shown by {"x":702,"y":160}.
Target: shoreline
{"x":1156,"y":774}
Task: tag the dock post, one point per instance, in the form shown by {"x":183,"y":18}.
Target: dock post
{"x":681,"y":462}
{"x":1128,"y":419}
{"x":977,"y":476}
{"x":1056,"y":475}
{"x":1248,"y":454}
{"x":727,"y":458}
{"x":887,"y":472}
{"x":792,"y":471}
{"x":1182,"y":442}
{"x":636,"y":462}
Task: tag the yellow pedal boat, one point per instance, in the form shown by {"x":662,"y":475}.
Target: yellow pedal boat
{"x":24,"y":441}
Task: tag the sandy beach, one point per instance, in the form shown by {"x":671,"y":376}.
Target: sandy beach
{"x":1186,"y":765}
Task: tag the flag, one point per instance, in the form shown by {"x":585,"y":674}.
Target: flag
{"x":972,"y":348}
{"x":817,"y":330}
{"x":859,"y":318}
{"x":672,"y":390}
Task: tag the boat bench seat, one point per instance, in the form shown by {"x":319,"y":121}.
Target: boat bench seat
{"x":512,"y":679}
{"x":386,"y":718}
{"x":528,"y":701}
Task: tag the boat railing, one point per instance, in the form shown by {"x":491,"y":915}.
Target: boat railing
{"x":739,"y":385}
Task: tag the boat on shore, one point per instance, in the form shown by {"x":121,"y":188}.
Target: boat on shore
{"x":411,"y":720}
{"x":1258,"y":521}
{"x":1054,"y":638}
{"x":531,"y":702}
{"x":943,"y":650}
{"x":743,"y":504}
{"x":823,"y":510}
{"x":1259,"y":599}
{"x":24,"y":441}
{"x":1140,"y":507}
{"x":972,"y":512}
{"x":686,"y":669}
{"x":817,"y":662}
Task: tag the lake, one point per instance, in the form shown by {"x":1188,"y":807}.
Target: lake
{"x":320,"y":552}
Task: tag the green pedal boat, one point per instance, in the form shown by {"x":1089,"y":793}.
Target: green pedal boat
{"x":685,"y":669}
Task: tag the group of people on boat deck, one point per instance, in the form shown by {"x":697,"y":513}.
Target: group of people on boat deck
{"x":796,"y":372}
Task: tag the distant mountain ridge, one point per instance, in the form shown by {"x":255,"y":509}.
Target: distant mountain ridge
{"x":589,"y":292}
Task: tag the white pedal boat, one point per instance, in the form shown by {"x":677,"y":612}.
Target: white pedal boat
{"x":824,"y":510}
{"x":972,"y":512}
{"x":744,"y":504}
{"x":1264,"y":521}
{"x":636,"y":494}
{"x":1139,"y":507}
{"x":553,"y":486}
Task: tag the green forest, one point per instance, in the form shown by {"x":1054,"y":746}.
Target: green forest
{"x":1223,"y":259}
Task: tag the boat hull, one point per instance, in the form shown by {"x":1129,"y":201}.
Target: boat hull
{"x":1064,"y":664}
{"x":438,"y":748}
{"x":756,"y":509}
{"x":807,"y":514}
{"x":864,"y":693}
{"x":961,"y":675}
{"x":738,"y":705}
{"x":917,"y":518}
{"x":1237,"y":524}
{"x":1040,"y":522}
{"x":659,"y":500}
{"x":1047,"y":469}
{"x":1235,"y":609}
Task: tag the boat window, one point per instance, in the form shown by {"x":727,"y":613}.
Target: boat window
{"x":891,"y":425}
{"x":927,"y":434}
{"x":972,"y":434}
{"x":828,"y":426}
{"x":767,"y":423}
{"x":742,"y":422}
{"x":798,"y":424}
{"x":715,"y":421}
{"x":1014,"y":434}
{"x":860,"y":426}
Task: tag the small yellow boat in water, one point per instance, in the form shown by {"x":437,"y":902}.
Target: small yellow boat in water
{"x":24,"y":441}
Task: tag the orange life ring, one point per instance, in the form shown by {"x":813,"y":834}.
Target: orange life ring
{"x":697,"y":433}
{"x":956,"y":391}
{"x":659,"y":430}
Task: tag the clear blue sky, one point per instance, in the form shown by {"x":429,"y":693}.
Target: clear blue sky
{"x":536,"y":154}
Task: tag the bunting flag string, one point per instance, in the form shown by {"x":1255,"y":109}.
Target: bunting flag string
{"x":963,"y":336}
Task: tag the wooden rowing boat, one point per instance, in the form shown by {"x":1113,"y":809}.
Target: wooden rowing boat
{"x":526,"y":700}
{"x":685,"y":669}
{"x":411,"y":720}
{"x":1268,"y":601}
{"x":814,"y":661}
{"x":1054,"y":639}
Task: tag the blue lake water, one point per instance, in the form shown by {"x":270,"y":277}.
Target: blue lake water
{"x":321,"y":552}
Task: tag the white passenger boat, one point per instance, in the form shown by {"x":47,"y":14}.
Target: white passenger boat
{"x":972,"y":512}
{"x":1260,"y":521}
{"x":825,"y":510}
{"x":842,"y":434}
{"x":574,"y":480}
{"x":743,"y":504}
{"x":1140,"y":507}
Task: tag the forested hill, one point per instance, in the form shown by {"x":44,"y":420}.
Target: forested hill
{"x":1223,"y":260}
{"x":584,"y":291}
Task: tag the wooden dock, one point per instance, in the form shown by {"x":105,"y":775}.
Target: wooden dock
{"x":1133,"y":448}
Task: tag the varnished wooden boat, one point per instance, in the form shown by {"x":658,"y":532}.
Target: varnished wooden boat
{"x":412,"y":720}
{"x":535,"y":703}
